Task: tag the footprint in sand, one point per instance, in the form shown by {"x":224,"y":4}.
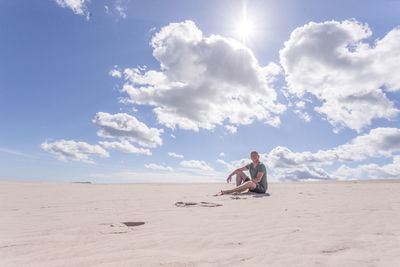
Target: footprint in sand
{"x":334,"y":250}
{"x":119,"y":228}
{"x":201,"y":204}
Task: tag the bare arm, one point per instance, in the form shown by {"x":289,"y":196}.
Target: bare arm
{"x":238,"y":170}
{"x":258,"y":178}
{"x":235,"y":172}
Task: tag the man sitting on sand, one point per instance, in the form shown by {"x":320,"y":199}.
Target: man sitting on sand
{"x":258,"y":173}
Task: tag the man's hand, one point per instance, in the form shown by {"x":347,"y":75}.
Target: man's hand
{"x":229,"y":179}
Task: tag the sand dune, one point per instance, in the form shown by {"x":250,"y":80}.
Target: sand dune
{"x":298,"y":224}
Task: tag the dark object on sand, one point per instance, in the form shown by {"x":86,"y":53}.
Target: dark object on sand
{"x":133,"y":223}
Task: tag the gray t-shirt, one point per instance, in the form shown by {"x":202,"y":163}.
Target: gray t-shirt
{"x":254,"y":171}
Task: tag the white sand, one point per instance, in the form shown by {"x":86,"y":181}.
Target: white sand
{"x":299,"y":224}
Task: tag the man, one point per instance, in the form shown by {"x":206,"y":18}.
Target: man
{"x":258,"y":174}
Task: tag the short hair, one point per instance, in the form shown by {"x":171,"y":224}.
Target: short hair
{"x":254,"y":152}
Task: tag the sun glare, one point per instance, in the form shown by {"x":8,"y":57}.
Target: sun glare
{"x":244,"y":27}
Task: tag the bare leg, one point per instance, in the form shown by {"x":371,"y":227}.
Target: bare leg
{"x":240,"y":176}
{"x":240,"y":188}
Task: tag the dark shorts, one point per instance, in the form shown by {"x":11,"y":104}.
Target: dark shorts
{"x":259,"y":187}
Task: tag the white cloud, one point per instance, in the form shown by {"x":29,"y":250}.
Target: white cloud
{"x":196,"y":164}
{"x":119,"y":8}
{"x":346,"y":173}
{"x":173,"y":154}
{"x":349,"y":77}
{"x":300,"y":104}
{"x":372,"y":171}
{"x":303,"y":115}
{"x":77,"y":151}
{"x":232,"y":129}
{"x":204,"y":81}
{"x":287,"y":165}
{"x":158,"y":167}
{"x":300,"y":112}
{"x":173,"y":136}
{"x":282,"y":157}
{"x":122,"y":125}
{"x":125,"y":146}
{"x":302,"y":172}
{"x":77,"y":6}
{"x":222,"y":154}
{"x":379,"y":142}
{"x":121,"y":11}
{"x":115,"y":73}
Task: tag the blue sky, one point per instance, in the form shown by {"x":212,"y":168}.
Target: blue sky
{"x":317,"y":100}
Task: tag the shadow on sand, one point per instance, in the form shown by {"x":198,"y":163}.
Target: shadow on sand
{"x":256,"y":195}
{"x":248,"y":194}
{"x":243,"y":195}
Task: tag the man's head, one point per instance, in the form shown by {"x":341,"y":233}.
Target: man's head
{"x":254,"y":156}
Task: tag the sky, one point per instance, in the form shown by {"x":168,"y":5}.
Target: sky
{"x":113,"y":91}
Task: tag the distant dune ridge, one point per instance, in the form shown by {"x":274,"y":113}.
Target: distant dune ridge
{"x":335,"y":223}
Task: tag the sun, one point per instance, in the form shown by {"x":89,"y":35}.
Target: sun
{"x":244,"y":26}
{"x":244,"y":29}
